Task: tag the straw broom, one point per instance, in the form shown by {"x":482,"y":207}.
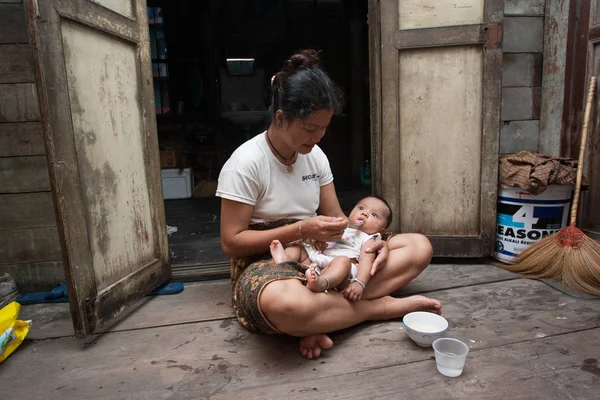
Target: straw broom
{"x":569,"y":255}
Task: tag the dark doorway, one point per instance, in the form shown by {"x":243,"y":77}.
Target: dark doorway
{"x":206,"y":109}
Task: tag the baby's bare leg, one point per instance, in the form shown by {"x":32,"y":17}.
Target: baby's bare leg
{"x":331,"y":276}
{"x":279,"y":254}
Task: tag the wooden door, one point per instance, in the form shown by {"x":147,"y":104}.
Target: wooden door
{"x":436,"y":118}
{"x":95,"y":88}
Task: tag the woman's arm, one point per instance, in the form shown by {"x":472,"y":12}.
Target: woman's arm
{"x":328,"y":202}
{"x":237,"y":240}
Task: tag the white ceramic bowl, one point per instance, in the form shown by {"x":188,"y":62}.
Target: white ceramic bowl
{"x":424,"y":327}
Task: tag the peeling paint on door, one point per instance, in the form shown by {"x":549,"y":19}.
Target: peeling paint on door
{"x":106,"y":117}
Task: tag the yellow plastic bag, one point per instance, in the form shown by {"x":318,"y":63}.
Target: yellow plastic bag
{"x":12,"y":330}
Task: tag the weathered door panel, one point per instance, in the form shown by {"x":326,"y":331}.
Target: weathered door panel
{"x":95,"y":89}
{"x":436,"y":150}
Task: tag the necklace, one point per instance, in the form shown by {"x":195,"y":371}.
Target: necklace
{"x":287,"y":162}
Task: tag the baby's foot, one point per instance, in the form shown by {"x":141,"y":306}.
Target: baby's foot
{"x":315,"y":282}
{"x":278,"y":252}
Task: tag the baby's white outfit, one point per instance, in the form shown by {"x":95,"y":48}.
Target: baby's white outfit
{"x":348,"y":246}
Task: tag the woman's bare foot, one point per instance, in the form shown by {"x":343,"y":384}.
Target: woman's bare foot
{"x":315,"y":282}
{"x":311,"y":346}
{"x":278,"y":252}
{"x":399,"y":307}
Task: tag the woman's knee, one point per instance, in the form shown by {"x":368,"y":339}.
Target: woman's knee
{"x":423,"y":248}
{"x":417,"y":246}
{"x":285,"y":299}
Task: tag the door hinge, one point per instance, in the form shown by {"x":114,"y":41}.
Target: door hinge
{"x":491,"y":35}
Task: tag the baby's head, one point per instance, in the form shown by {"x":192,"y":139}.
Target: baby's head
{"x":372,"y":213}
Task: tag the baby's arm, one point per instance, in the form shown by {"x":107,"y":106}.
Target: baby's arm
{"x":355,"y":289}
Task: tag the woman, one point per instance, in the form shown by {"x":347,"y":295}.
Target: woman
{"x":271,"y":188}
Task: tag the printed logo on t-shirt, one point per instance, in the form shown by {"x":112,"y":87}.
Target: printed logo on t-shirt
{"x":311,"y":177}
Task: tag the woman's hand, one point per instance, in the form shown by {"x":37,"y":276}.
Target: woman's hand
{"x":381,"y":247}
{"x":322,"y":228}
{"x":319,"y":246}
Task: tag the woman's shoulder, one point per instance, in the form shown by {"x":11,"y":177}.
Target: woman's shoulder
{"x":248,"y":154}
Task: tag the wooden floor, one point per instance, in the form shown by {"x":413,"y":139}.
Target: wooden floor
{"x":528,"y":340}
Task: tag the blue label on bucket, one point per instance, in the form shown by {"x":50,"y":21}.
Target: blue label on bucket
{"x":519,"y":225}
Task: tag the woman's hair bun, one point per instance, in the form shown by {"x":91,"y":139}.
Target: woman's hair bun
{"x":302,"y":86}
{"x":307,"y":58}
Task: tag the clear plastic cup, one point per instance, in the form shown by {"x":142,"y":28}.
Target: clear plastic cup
{"x":450,"y":356}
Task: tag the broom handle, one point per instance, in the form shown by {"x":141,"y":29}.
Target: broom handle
{"x":584,"y":133}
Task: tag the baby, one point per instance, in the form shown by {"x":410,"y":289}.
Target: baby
{"x":333,"y":264}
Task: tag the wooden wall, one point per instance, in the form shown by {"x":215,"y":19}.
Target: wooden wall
{"x":29,"y":245}
{"x":522,"y":76}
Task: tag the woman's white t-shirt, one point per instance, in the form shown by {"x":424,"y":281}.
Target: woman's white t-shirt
{"x":254,"y":176}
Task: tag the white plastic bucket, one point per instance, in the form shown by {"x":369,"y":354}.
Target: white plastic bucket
{"x":523,"y":218}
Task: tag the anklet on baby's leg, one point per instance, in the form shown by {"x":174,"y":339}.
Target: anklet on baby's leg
{"x":327,"y":279}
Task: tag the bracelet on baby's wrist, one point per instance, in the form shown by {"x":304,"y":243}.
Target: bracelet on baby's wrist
{"x":359,"y":282}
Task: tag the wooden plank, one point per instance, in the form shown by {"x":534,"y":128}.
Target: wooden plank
{"x":521,"y":103}
{"x":57,"y":126}
{"x":522,"y":69}
{"x":29,"y":245}
{"x":575,"y":89}
{"x":390,"y":104}
{"x":375,"y":87}
{"x":589,"y":217}
{"x":556,"y":32}
{"x":491,"y":104}
{"x":13,"y":25}
{"x":18,"y":103}
{"x":433,"y":13}
{"x":550,"y":368}
{"x":16,"y":63}
{"x":523,"y":34}
{"x":26,"y":210}
{"x":522,"y":8}
{"x":24,"y":174}
{"x":38,"y":276}
{"x":519,"y":135}
{"x":438,"y":277}
{"x":436,"y":37}
{"x":425,"y":88}
{"x":21,"y":139}
{"x":219,"y":357}
{"x":120,"y":7}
